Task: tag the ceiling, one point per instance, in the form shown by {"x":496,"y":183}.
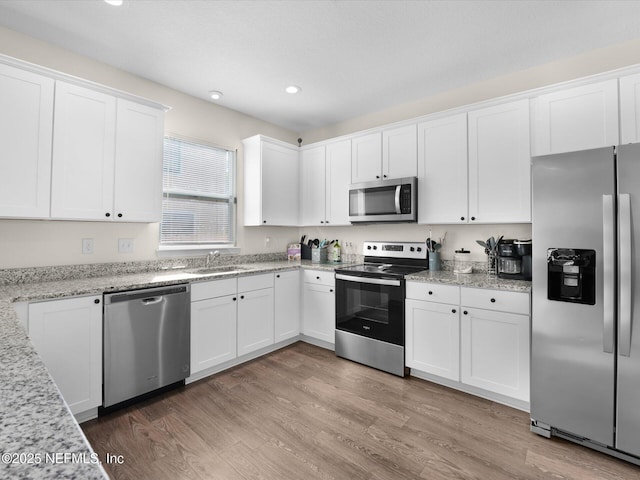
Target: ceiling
{"x":350,"y":57}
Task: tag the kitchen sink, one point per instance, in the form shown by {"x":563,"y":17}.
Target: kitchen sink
{"x":218,"y":270}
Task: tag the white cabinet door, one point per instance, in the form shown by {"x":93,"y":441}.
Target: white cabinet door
{"x":500,"y":164}
{"x":495,"y":351}
{"x":442,"y":170}
{"x":577,"y":118}
{"x":630,"y":109}
{"x":313,"y":186}
{"x":83,"y":154}
{"x":213,"y":332}
{"x":67,"y":334}
{"x":319,"y":312}
{"x":400,"y":152}
{"x":138,"y":167}
{"x":26,"y":128}
{"x":433,"y":338}
{"x":338,"y":178}
{"x":280,"y":185}
{"x":287,"y":305}
{"x":255,"y":320}
{"x":271,"y":180}
{"x":366,"y":158}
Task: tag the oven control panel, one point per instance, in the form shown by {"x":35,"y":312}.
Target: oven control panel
{"x":416,"y":250}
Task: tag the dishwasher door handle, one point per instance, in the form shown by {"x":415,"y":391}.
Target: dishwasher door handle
{"x":151,"y":300}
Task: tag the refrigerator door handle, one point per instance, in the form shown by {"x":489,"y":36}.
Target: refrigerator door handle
{"x":608,"y":250}
{"x":624,"y":269}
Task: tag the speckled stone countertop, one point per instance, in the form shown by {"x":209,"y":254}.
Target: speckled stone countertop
{"x":475,"y":280}
{"x":39,"y":437}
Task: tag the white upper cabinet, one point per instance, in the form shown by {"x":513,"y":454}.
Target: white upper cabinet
{"x":270,"y":182}
{"x":83,"y":154}
{"x":630,"y":109}
{"x":313,"y":186}
{"x":400,"y":152}
{"x":338,"y":169}
{"x":325,"y":184}
{"x":107,"y":157}
{"x":384,"y":155}
{"x":442,"y":170}
{"x":26,"y":125}
{"x":366,"y":158}
{"x":500,"y":164}
{"x":576,"y":118}
{"x":138,"y":167}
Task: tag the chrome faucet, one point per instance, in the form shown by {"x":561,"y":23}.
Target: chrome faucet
{"x":211,"y":256}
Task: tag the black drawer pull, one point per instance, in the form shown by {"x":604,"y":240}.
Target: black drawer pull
{"x":465,"y":312}
{"x":493,"y":300}
{"x":453,"y":310}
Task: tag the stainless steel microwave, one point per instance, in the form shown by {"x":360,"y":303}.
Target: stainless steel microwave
{"x":394,"y":200}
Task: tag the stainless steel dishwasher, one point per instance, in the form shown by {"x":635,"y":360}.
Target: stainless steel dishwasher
{"x":146,"y":341}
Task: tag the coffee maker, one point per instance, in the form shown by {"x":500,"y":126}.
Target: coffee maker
{"x":514,"y":259}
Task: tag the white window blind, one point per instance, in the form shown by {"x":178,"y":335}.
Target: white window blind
{"x":198,"y":205}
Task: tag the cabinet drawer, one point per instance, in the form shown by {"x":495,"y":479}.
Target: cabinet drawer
{"x":255,"y":282}
{"x":213,"y":289}
{"x":320,"y":277}
{"x":433,"y":292}
{"x":516,"y":302}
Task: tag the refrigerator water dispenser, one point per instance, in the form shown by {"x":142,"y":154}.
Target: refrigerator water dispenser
{"x":571,"y":275}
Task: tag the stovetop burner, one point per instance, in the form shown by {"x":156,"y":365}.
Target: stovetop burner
{"x":390,"y":259}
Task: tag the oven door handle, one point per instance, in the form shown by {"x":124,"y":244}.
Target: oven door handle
{"x":375,"y":281}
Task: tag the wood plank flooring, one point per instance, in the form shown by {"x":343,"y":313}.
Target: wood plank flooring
{"x":302,"y":413}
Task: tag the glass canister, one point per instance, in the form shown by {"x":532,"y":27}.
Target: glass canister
{"x":462,"y":261}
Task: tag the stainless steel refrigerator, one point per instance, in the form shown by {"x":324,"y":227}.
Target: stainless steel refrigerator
{"x":585,"y":335}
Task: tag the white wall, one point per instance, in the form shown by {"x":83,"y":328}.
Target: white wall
{"x":26,"y":243}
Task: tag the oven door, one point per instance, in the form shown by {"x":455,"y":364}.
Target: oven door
{"x":371,"y":307}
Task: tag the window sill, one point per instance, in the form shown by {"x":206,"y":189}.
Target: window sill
{"x":168,"y":251}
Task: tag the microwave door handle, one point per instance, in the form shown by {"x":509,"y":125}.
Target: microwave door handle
{"x":398,"y":188}
{"x":624,"y":272}
{"x":374,"y":281}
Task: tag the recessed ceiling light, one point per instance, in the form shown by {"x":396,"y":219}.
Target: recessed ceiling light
{"x":115,"y":3}
{"x":215,"y":95}
{"x":292,"y":89}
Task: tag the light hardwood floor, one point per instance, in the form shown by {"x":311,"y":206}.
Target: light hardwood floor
{"x":301,"y":413}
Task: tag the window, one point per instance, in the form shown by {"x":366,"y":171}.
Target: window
{"x":198,"y":201}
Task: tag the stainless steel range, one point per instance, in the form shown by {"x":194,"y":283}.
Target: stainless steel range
{"x":370,"y":304}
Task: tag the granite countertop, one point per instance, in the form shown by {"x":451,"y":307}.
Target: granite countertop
{"x":39,"y":433}
{"x":39,"y":436}
{"x":474,"y":280}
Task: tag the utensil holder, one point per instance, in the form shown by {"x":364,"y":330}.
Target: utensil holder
{"x":305,"y":252}
{"x":492,"y":264}
{"x":434,"y":261}
{"x":318,"y":255}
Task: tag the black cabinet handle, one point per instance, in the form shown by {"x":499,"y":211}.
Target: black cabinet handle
{"x":278,"y":276}
{"x":453,"y":310}
{"x":96,"y":301}
{"x":465,"y":312}
{"x":430,"y":292}
{"x":326,"y":221}
{"x":461,"y":218}
{"x":493,"y":300}
{"x":377,"y":176}
{"x":473,"y":218}
{"x":317,"y":278}
{"x":384,"y":176}
{"x":264,"y":221}
{"x":119,"y":215}
{"x":241,"y":297}
{"x":107,"y":214}
{"x":331,"y":290}
{"x":234,"y":299}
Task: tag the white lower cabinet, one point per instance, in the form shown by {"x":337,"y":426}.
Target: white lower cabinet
{"x":432,"y":338}
{"x":494,"y":341}
{"x":319,"y":305}
{"x":255,"y":313}
{"x":213,"y":323}
{"x":286,"y":305}
{"x":472,"y":336}
{"x":67,"y":334}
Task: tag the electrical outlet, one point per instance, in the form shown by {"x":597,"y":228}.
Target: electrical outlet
{"x":87,"y":246}
{"x":125,"y":245}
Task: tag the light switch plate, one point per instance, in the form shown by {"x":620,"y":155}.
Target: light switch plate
{"x":125,"y":245}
